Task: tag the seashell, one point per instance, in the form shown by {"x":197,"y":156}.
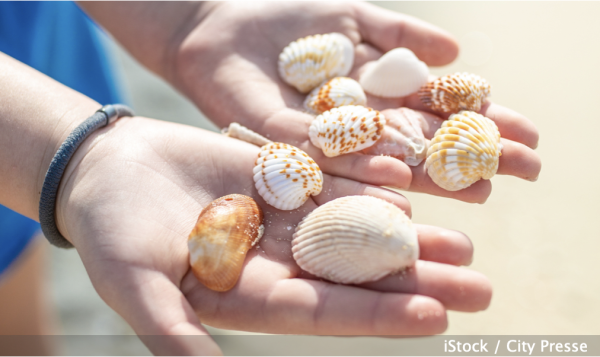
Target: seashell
{"x":355,"y":239}
{"x":307,"y":62}
{"x":226,"y":229}
{"x":240,"y":132}
{"x":286,"y":176}
{"x":455,"y":92}
{"x":398,"y":73}
{"x":346,"y":129}
{"x":402,"y":137}
{"x":335,"y":93}
{"x":465,"y":149}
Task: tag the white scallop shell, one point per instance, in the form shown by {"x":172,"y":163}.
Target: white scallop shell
{"x":240,"y":132}
{"x":286,"y":176}
{"x":398,"y":73}
{"x":465,"y":149}
{"x":334,"y":93}
{"x":307,"y":62}
{"x":402,"y":137}
{"x":346,"y":129}
{"x":355,"y":239}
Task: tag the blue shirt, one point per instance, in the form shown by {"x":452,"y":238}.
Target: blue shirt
{"x":59,"y":40}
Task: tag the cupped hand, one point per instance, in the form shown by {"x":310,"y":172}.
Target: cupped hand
{"x":133,"y":192}
{"x":227,"y":64}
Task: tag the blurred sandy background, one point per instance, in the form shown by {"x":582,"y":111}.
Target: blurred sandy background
{"x":537,"y":242}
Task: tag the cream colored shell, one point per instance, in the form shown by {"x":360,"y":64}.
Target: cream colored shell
{"x":309,"y":61}
{"x":465,"y":149}
{"x":240,"y":132}
{"x":402,"y":137}
{"x":455,"y":92}
{"x":398,"y":73}
{"x":286,"y":176}
{"x":346,"y":129}
{"x":355,"y":239}
{"x":334,"y":93}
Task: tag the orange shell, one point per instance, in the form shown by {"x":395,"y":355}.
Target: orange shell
{"x":455,"y":92}
{"x":226,"y":229}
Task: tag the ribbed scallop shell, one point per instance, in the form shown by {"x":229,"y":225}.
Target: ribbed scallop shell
{"x":455,"y":92}
{"x":355,"y":239}
{"x":240,"y":132}
{"x":309,"y":61}
{"x":226,"y":229}
{"x":465,"y":149}
{"x":346,"y":129}
{"x":286,"y":176}
{"x":402,"y":137}
{"x":398,"y":73}
{"x":334,"y":93}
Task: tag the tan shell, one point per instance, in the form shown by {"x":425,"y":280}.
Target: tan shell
{"x":334,"y":93}
{"x":402,"y":137}
{"x":240,"y":132}
{"x":355,"y":239}
{"x":465,"y":149}
{"x":455,"y":92}
{"x":286,"y":176}
{"x":226,"y":229}
{"x":309,"y":61}
{"x":346,"y":129}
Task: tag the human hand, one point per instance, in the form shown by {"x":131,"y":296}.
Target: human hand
{"x":227,"y":64}
{"x":131,"y":195}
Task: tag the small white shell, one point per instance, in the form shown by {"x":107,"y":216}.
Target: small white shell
{"x":240,"y":132}
{"x":465,"y":149}
{"x":355,"y":239}
{"x":309,"y":61}
{"x":455,"y":92}
{"x":286,"y":176}
{"x":402,"y":137}
{"x":398,"y":73}
{"x":346,"y":129}
{"x":335,"y":93}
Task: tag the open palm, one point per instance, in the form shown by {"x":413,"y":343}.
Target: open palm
{"x":132,"y":194}
{"x":227,"y":65}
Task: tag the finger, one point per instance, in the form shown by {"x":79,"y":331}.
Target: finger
{"x":519,"y":160}
{"x":301,"y":306}
{"x":387,"y":30}
{"x":369,"y":169}
{"x":512,"y":125}
{"x":476,"y":193}
{"x":336,"y":187}
{"x":161,"y":316}
{"x":456,"y":288}
{"x":444,"y":245}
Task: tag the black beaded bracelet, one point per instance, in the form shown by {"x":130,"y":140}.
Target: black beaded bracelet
{"x":104,"y":116}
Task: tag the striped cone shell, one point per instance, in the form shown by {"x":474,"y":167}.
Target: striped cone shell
{"x":309,"y":61}
{"x":334,"y":93}
{"x":465,"y":149}
{"x":226,"y":229}
{"x":455,"y":92}
{"x":346,"y":129}
{"x":286,"y":176}
{"x":240,"y":132}
{"x":355,"y":239}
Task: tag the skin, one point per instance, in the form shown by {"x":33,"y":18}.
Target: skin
{"x":224,"y":58}
{"x":132,"y":193}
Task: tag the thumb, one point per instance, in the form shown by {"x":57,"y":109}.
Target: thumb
{"x":161,"y":316}
{"x":387,"y":30}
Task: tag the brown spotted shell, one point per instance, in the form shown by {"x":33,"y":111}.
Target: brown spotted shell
{"x":334,"y":93}
{"x":455,"y":92}
{"x":226,"y":229}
